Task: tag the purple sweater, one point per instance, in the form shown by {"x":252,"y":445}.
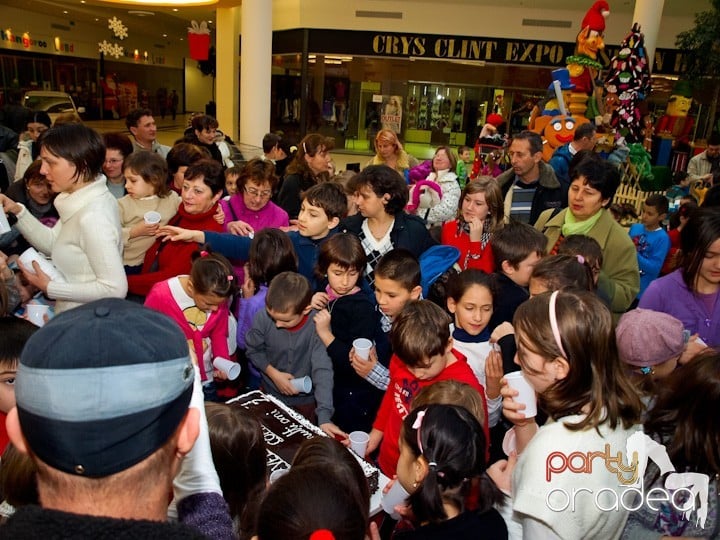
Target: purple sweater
{"x":669,"y":294}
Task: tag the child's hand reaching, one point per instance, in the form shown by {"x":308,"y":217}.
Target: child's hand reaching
{"x":240,"y":228}
{"x":501,"y":330}
{"x":282,"y":381}
{"x":493,"y":374}
{"x":374,"y":441}
{"x":501,"y":471}
{"x":363,"y":367}
{"x":143,"y":229}
{"x":178,"y":234}
{"x":248,"y":286}
{"x":331,"y":430}
{"x":319,"y":300}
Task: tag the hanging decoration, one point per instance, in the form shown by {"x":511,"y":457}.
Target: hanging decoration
{"x":110,"y":49}
{"x":118,"y":28}
{"x":199,"y":40}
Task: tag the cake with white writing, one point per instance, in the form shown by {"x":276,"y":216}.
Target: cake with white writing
{"x":285,"y":430}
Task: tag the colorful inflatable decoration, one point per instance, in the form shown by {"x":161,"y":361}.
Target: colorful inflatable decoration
{"x":629,"y":80}
{"x":675,"y":122}
{"x":583,"y":65}
{"x":557,"y":130}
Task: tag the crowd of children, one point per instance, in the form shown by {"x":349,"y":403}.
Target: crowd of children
{"x":289,"y":300}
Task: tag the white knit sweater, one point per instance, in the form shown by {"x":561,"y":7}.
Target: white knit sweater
{"x":85,"y":245}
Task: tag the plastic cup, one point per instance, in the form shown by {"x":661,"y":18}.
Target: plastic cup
{"x":30,"y":254}
{"x":152,"y":217}
{"x":526,"y":395}
{"x":362,"y":347}
{"x":4,"y":223}
{"x":228,"y":367}
{"x":396,"y":495}
{"x":358,"y":442}
{"x":36,"y":313}
{"x":277,"y":474}
{"x":302,"y":384}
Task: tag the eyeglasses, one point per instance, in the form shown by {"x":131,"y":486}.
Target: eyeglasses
{"x":113,"y":161}
{"x":255,"y":193}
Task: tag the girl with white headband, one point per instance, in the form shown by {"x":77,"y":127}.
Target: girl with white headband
{"x":567,"y":478}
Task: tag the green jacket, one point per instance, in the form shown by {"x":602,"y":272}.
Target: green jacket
{"x":619,"y":279}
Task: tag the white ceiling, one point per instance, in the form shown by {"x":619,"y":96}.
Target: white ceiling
{"x":175,"y":23}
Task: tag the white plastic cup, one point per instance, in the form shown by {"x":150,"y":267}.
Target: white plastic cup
{"x":228,"y":367}
{"x":526,"y":394}
{"x":302,"y":384}
{"x":152,"y":217}
{"x":4,"y":223}
{"x":396,"y":495}
{"x":362,"y":347}
{"x":359,"y":442}
{"x":30,"y":254}
{"x":36,"y":313}
{"x":277,"y":474}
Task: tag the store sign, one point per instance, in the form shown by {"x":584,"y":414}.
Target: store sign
{"x":430,"y":46}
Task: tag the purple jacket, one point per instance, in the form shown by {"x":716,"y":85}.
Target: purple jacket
{"x":270,"y":215}
{"x":669,"y":294}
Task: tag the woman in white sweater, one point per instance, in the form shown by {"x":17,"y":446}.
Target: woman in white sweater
{"x":86,"y":244}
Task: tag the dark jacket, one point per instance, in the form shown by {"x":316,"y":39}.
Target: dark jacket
{"x":33,"y":522}
{"x":408,"y":232}
{"x":289,"y":197}
{"x":548,"y":194}
{"x":356,"y":400}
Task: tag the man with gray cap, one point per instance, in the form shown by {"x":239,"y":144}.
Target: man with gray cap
{"x":103,"y":394}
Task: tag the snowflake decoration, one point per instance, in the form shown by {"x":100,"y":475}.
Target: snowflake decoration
{"x":118,"y":28}
{"x":110,"y":49}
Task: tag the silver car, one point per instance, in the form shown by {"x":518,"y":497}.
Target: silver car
{"x":53,"y":103}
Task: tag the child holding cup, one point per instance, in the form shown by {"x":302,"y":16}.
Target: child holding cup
{"x":568,"y":354}
{"x":148,"y":204}
{"x":345,"y":317}
{"x":199,"y":303}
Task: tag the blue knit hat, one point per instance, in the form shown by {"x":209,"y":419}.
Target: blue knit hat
{"x":103,"y":386}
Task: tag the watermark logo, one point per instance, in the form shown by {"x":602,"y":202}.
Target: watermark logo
{"x":681,"y":489}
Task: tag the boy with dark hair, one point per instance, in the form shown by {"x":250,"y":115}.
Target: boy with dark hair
{"x":517,"y":248}
{"x":283,"y":345}
{"x":651,"y":241}
{"x":14,"y":333}
{"x":423,"y":354}
{"x":397,"y":282}
{"x":322,"y":207}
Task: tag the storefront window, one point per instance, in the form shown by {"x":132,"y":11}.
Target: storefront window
{"x":428,"y":103}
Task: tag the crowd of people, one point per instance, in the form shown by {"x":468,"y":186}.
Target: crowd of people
{"x":522,"y":341}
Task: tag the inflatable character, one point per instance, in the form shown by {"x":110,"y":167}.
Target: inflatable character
{"x":583,"y":65}
{"x":629,"y":80}
{"x":557,"y":130}
{"x":675,"y":122}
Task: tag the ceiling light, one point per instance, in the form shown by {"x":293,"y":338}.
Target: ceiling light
{"x":165,"y":3}
{"x":65,"y":11}
{"x":176,"y":9}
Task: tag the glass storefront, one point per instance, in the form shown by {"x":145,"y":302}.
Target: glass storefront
{"x":428,"y":103}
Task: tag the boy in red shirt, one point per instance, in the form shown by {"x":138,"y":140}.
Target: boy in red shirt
{"x":422,"y":354}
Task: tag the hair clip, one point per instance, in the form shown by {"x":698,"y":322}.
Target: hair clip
{"x":322,"y":534}
{"x":230,"y":278}
{"x":580,"y":258}
{"x":554,"y":324}
{"x":304,"y":148}
{"x":645,"y":370}
{"x":416,"y":425}
{"x":204,"y":253}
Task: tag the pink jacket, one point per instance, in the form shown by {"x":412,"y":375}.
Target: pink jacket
{"x":216,"y":328}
